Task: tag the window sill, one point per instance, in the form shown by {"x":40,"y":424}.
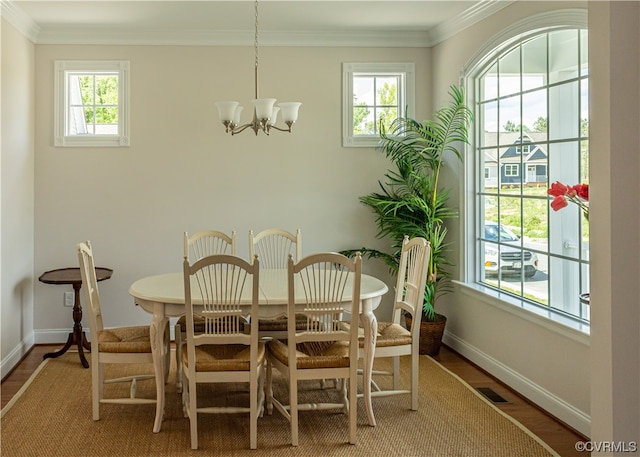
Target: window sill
{"x":548,"y":319}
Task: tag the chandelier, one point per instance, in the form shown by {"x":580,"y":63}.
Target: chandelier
{"x":265,"y":113}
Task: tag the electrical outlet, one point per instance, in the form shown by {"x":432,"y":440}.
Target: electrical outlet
{"x":68,"y":299}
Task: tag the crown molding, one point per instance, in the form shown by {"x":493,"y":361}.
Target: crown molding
{"x":92,"y":35}
{"x":21,"y":21}
{"x":466,"y":19}
{"x":112,"y":36}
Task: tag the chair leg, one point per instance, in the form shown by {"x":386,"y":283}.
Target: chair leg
{"x":167,"y":352}
{"x":253,"y":415}
{"x":269,"y":389}
{"x":97,"y":382}
{"x":185,"y":401}
{"x":293,"y":410}
{"x":261,"y":391}
{"x":179,"y":342}
{"x":193,"y":413}
{"x":415,"y":361}
{"x":396,"y":373}
{"x":353,"y":405}
{"x":343,"y":396}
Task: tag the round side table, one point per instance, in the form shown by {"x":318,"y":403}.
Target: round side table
{"x":77,"y":336}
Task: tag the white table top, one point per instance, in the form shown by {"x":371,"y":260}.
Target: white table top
{"x":168,"y":288}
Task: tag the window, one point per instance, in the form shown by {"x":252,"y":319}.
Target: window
{"x":91,"y":103}
{"x":511,"y":170}
{"x":530,"y":97}
{"x":374,"y":93}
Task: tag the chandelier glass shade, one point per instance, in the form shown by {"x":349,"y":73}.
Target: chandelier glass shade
{"x":265,"y":113}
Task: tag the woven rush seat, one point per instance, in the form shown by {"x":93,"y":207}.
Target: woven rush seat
{"x":390,"y":334}
{"x":230,"y":357}
{"x":314,"y":354}
{"x":280,"y":324}
{"x":198,"y":323}
{"x":125,"y":340}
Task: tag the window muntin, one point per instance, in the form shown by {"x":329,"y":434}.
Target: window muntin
{"x":531,"y":103}
{"x":373,"y":93}
{"x":91,"y":103}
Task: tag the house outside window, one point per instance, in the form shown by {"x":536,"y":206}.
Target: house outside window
{"x":530,"y":98}
{"x":91,"y":103}
{"x":374,"y":93}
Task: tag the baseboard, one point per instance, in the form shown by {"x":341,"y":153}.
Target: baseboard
{"x":52,"y":336}
{"x":544,"y":399}
{"x":9,"y":362}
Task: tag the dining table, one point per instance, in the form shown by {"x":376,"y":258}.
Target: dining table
{"x":163,"y":297}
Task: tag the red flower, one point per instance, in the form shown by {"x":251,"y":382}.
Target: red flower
{"x":562,"y":195}
{"x":558,"y":189}
{"x":559,"y":202}
{"x":582,"y":190}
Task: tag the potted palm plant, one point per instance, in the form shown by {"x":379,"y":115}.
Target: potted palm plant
{"x":412,"y":202}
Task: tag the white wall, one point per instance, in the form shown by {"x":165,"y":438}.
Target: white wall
{"x":615,"y":222}
{"x":544,"y":362}
{"x":17,"y":195}
{"x":182,"y":172}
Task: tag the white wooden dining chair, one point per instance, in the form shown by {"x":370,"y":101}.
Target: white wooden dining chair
{"x":273,"y":247}
{"x":325,"y":348}
{"x":228,"y":349}
{"x":197,"y":246}
{"x":394,"y":340}
{"x":130,"y":345}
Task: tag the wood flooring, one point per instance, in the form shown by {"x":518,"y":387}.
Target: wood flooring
{"x":557,"y":435}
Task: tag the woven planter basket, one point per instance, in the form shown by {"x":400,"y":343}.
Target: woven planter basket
{"x":430,"y":334}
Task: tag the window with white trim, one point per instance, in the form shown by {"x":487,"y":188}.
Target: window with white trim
{"x":374,"y":93}
{"x":511,"y":170}
{"x":534,"y":86}
{"x":91,"y":103}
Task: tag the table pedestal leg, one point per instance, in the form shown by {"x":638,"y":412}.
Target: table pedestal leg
{"x":370,"y":326}
{"x":77,"y":337}
{"x":159,"y":345}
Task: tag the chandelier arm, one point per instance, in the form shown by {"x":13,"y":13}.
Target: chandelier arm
{"x":241,"y":128}
{"x":289,"y":124}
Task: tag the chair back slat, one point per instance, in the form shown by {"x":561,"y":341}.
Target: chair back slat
{"x":412,"y":278}
{"x":90,"y":287}
{"x":328,"y":284}
{"x":273,"y":247}
{"x":208,"y":242}
{"x":220,"y":288}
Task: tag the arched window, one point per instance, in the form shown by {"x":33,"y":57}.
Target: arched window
{"x":530,"y":95}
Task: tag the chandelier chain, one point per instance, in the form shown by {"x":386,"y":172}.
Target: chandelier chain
{"x":255,"y":47}
{"x":255,"y":44}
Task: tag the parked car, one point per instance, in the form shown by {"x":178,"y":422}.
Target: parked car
{"x":512,"y":259}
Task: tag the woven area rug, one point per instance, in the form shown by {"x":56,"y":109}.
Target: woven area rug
{"x":51,"y":416}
